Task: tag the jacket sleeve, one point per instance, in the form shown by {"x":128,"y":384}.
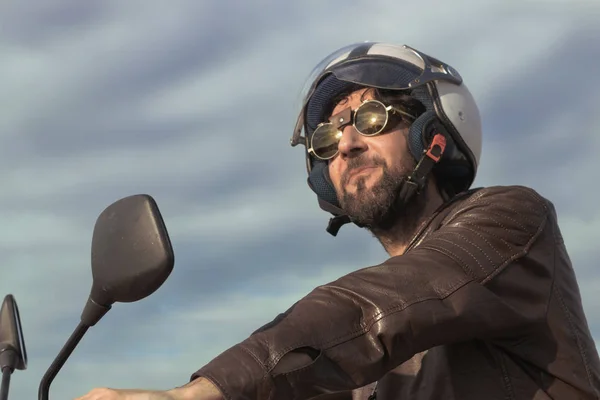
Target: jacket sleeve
{"x":470,"y":279}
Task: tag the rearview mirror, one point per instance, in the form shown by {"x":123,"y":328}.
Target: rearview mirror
{"x":12,"y":345}
{"x":132,"y":255}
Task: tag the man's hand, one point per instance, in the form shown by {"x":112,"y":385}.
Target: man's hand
{"x":115,"y":394}
{"x":200,"y":389}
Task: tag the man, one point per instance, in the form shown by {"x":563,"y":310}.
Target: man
{"x":478,"y":300}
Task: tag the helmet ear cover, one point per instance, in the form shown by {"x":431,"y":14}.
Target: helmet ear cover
{"x":320,"y":183}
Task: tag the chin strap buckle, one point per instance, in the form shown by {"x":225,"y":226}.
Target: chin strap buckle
{"x":430,"y":157}
{"x":335,"y":223}
{"x":437,"y":147}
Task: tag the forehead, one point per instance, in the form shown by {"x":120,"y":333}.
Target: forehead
{"x":355,"y":96}
{"x":349,"y":100}
{"x":343,"y":105}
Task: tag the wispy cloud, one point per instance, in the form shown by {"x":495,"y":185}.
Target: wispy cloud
{"x":194,"y":104}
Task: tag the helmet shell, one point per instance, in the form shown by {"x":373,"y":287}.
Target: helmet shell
{"x":395,"y":67}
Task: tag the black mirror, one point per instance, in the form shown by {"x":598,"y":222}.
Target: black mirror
{"x":132,"y":255}
{"x":12,"y":345}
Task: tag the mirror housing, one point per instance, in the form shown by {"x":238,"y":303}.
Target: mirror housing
{"x":132,"y":255}
{"x":12,"y":343}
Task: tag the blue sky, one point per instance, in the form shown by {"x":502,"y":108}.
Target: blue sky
{"x":194,"y":103}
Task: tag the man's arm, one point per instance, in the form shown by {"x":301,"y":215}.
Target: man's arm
{"x":468,"y":280}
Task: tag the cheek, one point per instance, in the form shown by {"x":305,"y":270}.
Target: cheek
{"x":393,"y":149}
{"x":335,"y":174}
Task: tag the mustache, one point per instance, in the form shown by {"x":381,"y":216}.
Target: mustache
{"x":360,"y":162}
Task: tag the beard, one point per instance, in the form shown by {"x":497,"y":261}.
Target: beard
{"x":379,"y":208}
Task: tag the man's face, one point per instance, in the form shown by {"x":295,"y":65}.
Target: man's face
{"x":367,"y":171}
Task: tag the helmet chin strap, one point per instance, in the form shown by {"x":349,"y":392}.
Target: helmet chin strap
{"x":409,"y":187}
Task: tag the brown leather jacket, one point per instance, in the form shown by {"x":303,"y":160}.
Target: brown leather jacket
{"x":484,"y":305}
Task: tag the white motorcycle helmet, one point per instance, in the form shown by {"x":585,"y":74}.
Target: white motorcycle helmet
{"x":449,"y":128}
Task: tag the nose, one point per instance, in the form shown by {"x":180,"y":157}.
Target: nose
{"x":351,"y":144}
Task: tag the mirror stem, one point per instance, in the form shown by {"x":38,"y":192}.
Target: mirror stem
{"x":60,"y":360}
{"x":5,"y":383}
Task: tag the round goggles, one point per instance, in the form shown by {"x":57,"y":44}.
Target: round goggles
{"x":371,"y":118}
